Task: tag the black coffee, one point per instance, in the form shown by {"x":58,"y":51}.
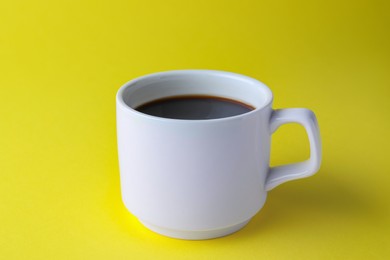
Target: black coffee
{"x":194,"y":107}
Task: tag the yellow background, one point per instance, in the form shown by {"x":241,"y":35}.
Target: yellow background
{"x":61,"y":63}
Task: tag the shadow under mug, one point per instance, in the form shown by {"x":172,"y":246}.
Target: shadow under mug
{"x":201,"y":179}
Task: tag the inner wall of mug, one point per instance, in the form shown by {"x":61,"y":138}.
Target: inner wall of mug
{"x":210,"y":83}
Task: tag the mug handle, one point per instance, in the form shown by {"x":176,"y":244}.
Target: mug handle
{"x":306,"y":118}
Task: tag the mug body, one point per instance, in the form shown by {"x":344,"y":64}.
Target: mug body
{"x":193,"y":179}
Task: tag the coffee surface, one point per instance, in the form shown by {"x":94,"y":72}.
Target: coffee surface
{"x":194,"y":107}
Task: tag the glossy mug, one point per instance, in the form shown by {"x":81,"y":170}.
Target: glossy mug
{"x":201,"y":179}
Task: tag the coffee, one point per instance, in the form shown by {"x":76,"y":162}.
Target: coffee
{"x":195,"y":107}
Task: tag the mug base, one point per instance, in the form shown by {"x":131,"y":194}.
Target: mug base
{"x":195,"y":235}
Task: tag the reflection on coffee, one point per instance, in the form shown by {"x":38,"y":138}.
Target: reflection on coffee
{"x":195,"y":107}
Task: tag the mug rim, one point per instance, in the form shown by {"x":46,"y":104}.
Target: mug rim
{"x":227,"y":74}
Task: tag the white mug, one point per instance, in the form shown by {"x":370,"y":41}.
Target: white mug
{"x":201,"y":179}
